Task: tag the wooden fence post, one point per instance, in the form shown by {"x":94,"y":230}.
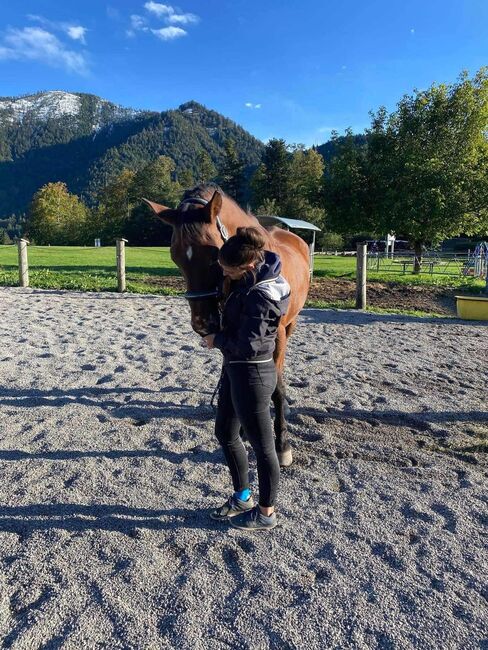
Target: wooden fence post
{"x":120,"y":244}
{"x":361,"y":276}
{"x":23,"y":263}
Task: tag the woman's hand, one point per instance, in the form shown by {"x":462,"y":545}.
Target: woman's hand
{"x":208,"y":341}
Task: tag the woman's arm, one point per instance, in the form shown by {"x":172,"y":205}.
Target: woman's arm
{"x":258,"y":323}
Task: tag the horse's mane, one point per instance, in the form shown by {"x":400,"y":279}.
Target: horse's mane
{"x":189,"y":222}
{"x":203,"y":191}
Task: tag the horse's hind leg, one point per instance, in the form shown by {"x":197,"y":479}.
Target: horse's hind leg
{"x":282,"y":444}
{"x":290,"y":328}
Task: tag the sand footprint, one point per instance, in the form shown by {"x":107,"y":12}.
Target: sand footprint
{"x":388,"y":555}
{"x":447,"y":514}
{"x":329,"y":553}
{"x":104,"y":380}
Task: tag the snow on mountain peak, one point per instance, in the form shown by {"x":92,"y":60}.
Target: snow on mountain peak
{"x":58,"y":103}
{"x":50,"y":104}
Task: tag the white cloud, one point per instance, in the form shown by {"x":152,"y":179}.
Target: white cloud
{"x":168,"y":15}
{"x":251,"y":105}
{"x":159,"y":9}
{"x":37,"y":44}
{"x":75,"y":31}
{"x":183,"y":19}
{"x":138,"y":22}
{"x":169,"y":33}
{"x":325,"y":129}
{"x":37,"y":19}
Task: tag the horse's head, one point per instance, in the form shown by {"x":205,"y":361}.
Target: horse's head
{"x":198,"y":233}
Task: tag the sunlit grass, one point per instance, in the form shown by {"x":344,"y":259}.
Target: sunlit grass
{"x":94,"y":269}
{"x":350,"y":304}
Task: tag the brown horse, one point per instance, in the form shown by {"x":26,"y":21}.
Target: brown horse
{"x":202,"y":222}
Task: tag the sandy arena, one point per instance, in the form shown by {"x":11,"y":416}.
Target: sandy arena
{"x":108,"y":469}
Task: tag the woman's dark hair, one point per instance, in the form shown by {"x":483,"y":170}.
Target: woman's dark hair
{"x":245,"y":247}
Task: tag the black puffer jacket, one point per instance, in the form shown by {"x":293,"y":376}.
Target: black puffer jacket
{"x":252,"y":313}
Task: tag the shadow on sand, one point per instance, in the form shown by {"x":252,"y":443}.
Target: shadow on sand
{"x":141,"y":411}
{"x":418,"y":420}
{"x":361,"y":318}
{"x":25,"y":520}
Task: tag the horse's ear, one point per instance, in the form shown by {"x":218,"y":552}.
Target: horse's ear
{"x":162,"y":212}
{"x":213,"y":207}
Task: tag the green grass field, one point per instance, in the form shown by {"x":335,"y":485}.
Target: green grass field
{"x":93,"y":269}
{"x":88,"y":269}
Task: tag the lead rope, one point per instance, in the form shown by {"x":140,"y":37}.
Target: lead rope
{"x":225,"y":236}
{"x":217,"y":388}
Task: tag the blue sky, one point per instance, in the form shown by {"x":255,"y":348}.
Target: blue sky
{"x":288,"y":69}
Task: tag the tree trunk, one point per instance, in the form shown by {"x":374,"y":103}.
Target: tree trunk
{"x":417,"y":264}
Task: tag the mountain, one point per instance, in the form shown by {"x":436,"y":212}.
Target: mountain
{"x":90,"y":110}
{"x":85,"y":141}
{"x":329,"y":149}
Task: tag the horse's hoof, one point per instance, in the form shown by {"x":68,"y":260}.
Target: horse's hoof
{"x":285,"y":458}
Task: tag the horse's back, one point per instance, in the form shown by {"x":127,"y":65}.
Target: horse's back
{"x":295,"y":260}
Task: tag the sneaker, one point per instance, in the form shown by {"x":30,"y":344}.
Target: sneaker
{"x":232,"y":507}
{"x":255,"y":520}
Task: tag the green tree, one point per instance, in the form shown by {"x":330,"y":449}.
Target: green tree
{"x":346,"y":185}
{"x":4,"y":237}
{"x":206,"y":169}
{"x":290,"y":183}
{"x":232,"y":172}
{"x":305,"y":186}
{"x":121,"y":212}
{"x":428,"y":163}
{"x":186,"y":179}
{"x":272,"y":178}
{"x":330,"y":241}
{"x":268,"y":207}
{"x":155,"y":181}
{"x":57,"y":217}
{"x":115,"y":203}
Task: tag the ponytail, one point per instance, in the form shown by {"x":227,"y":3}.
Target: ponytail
{"x":245,"y":247}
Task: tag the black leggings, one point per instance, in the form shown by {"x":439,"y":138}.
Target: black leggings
{"x":244,"y":400}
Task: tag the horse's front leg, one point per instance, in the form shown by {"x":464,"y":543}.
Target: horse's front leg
{"x":282,"y":444}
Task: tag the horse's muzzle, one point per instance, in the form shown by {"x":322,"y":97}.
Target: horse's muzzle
{"x":204,"y":328}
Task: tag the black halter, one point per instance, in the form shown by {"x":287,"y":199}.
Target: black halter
{"x":183,"y":207}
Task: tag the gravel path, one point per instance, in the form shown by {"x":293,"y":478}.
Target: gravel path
{"x":108,"y":467}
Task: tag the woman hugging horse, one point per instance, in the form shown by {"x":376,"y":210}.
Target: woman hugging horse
{"x":258,"y":297}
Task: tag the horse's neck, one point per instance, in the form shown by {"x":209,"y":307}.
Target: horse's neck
{"x":237,"y":218}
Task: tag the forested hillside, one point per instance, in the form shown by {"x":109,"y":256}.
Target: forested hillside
{"x":86,"y":142}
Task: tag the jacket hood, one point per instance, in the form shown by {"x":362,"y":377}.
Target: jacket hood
{"x":267,"y":270}
{"x":271,"y":283}
{"x":270,"y":268}
{"x":268,"y":279}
